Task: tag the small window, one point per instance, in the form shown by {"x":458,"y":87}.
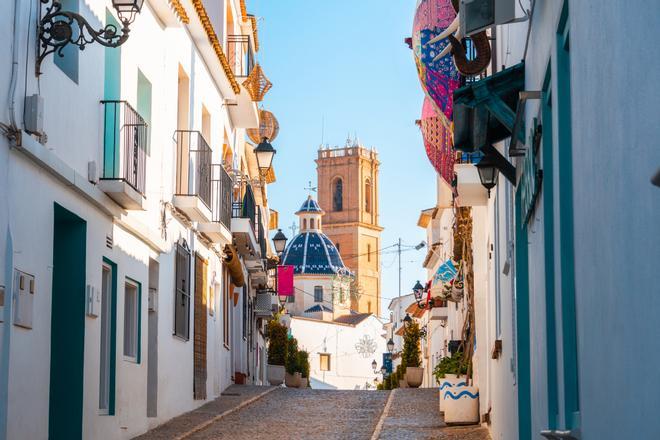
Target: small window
{"x":226,"y":306}
{"x":367,"y":196}
{"x":369,"y":307}
{"x":324,"y":359}
{"x":304,"y":223}
{"x":132,"y":321}
{"x":338,"y":195}
{"x":337,"y":246}
{"x":291,"y":298}
{"x":311,"y":223}
{"x":182,"y":293}
{"x":318,"y":294}
{"x":368,"y":252}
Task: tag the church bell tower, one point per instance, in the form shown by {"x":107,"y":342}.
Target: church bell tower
{"x":348,"y":193}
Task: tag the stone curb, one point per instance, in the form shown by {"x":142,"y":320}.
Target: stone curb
{"x":383,"y":416}
{"x":209,"y":422}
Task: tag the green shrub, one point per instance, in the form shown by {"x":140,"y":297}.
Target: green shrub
{"x":277,"y":342}
{"x":303,"y":363}
{"x":411,"y":351}
{"x":291,"y":362}
{"x":453,"y":364}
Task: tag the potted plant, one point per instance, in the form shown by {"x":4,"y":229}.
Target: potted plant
{"x":414,"y":373}
{"x":458,"y":401}
{"x":303,"y":364}
{"x":277,"y":345}
{"x":292,"y":378}
{"x":448,"y":373}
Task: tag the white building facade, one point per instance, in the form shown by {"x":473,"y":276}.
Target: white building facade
{"x":133,"y":221}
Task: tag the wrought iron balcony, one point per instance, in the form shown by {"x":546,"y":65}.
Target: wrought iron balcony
{"x":221,"y":192}
{"x":240,"y":55}
{"x":193,"y":175}
{"x":244,"y":204}
{"x":125,"y":138}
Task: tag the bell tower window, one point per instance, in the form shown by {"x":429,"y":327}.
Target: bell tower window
{"x":367,"y":196}
{"x":338,"y":195}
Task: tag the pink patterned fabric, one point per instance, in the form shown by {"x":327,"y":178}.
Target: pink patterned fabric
{"x":285,"y":280}
{"x":439,"y":78}
{"x":437,"y":141}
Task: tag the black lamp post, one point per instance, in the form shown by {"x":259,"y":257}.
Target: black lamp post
{"x":390,"y":346}
{"x":264,"y":153}
{"x":487,"y":173}
{"x":383,"y":370}
{"x":374,"y":365}
{"x":418,"y":291}
{"x":279,"y":241}
{"x":59,"y":28}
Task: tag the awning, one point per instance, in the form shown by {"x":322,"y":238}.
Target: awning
{"x":485,"y":110}
{"x":234,"y":266}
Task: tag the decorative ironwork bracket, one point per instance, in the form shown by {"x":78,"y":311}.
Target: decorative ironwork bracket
{"x":59,"y":28}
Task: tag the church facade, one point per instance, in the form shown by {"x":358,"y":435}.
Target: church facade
{"x":348,"y":194}
{"x":341,"y":342}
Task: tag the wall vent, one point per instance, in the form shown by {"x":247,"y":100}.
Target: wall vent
{"x":109,"y":242}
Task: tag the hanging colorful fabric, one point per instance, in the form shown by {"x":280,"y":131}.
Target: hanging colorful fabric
{"x":439,"y":78}
{"x":458,"y":285}
{"x":437,"y":141}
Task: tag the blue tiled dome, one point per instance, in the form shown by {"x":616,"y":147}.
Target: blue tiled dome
{"x":313,"y":253}
{"x":310,"y":205}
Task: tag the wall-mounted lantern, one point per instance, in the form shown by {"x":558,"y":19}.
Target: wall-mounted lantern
{"x":58,"y":28}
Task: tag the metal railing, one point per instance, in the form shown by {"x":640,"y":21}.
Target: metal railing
{"x":221,"y":191}
{"x":244,"y":205}
{"x":125,"y":140}
{"x":240,"y":55}
{"x":193,"y":165}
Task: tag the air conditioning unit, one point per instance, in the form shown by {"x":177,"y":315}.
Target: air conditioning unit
{"x":478,"y":15}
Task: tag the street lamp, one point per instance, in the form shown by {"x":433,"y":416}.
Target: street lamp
{"x":59,"y":28}
{"x":407,"y":320}
{"x":374,"y":365}
{"x":487,"y":173}
{"x":383,"y":370}
{"x":279,"y":241}
{"x":418,"y":291}
{"x":264,"y":153}
{"x":390,"y":346}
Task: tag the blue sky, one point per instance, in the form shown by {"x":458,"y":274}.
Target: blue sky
{"x":345,"y":62}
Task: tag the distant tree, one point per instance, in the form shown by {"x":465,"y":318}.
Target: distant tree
{"x":411,"y":352}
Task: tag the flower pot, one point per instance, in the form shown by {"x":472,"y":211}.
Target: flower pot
{"x":461,"y":405}
{"x":449,"y":382}
{"x":292,"y":380}
{"x":304,"y":382}
{"x":276,"y":374}
{"x":414,"y":376}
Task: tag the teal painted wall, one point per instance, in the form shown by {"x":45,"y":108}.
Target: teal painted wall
{"x":549,"y":252}
{"x":111,"y":91}
{"x":571,"y":405}
{"x":113,"y":336}
{"x":68,"y":63}
{"x":144,"y":103}
{"x":67,"y":343}
{"x":522,"y":323}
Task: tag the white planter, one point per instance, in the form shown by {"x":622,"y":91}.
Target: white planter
{"x":292,"y":380}
{"x":461,"y":405}
{"x":414,"y":376}
{"x":448,"y":383}
{"x":276,"y":374}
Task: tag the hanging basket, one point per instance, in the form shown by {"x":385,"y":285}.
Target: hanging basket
{"x":257,"y":84}
{"x":268,"y":127}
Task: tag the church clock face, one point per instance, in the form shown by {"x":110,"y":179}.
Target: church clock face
{"x":366,"y":346}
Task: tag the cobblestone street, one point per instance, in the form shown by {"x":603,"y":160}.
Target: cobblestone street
{"x":285,"y":413}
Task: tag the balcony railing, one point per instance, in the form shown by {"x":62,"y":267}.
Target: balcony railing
{"x":240,"y":55}
{"x":193,"y":165}
{"x":124,"y":145}
{"x":221,"y":189}
{"x":244,"y":205}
